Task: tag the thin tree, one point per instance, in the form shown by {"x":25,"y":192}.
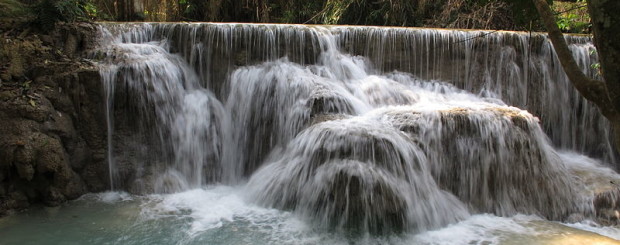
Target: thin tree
{"x":606,"y":30}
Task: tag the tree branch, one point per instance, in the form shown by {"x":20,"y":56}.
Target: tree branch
{"x":593,"y":90}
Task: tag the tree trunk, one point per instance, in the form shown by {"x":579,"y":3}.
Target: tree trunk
{"x":606,"y":28}
{"x":590,"y":89}
{"x":129,"y":10}
{"x":605,"y":16}
{"x":123,"y":9}
{"x":214,"y":9}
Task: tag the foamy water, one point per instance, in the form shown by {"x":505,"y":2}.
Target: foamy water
{"x":221,"y":215}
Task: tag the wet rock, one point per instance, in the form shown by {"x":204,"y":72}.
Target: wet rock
{"x":607,"y":206}
{"x":37,"y":109}
{"x":53,"y":197}
{"x":60,"y":124}
{"x":75,"y":38}
{"x":24,"y":154}
{"x":482,"y":154}
{"x":50,"y":125}
{"x":35,"y":162}
{"x":358,"y":200}
{"x":15,"y":200}
{"x":81,"y":155}
{"x":325,"y":101}
{"x":319,"y":118}
{"x":50,"y":155}
{"x":356,"y":175}
{"x":25,"y":170}
{"x":283,"y":98}
{"x":58,"y":97}
{"x":95,"y":176}
{"x":381,"y":92}
{"x":598,"y":182}
{"x":7,"y":95}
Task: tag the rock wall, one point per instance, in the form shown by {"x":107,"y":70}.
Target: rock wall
{"x":52,"y":127}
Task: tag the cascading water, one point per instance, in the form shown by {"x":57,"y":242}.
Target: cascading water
{"x":357,"y":129}
{"x":181,"y":123}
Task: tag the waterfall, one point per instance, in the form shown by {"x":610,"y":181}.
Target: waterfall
{"x":181,"y":124}
{"x":353,"y":128}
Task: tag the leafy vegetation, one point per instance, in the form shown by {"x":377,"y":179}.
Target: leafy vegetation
{"x":13,"y":9}
{"x":50,"y":11}
{"x":572,"y":17}
{"x":479,"y":14}
{"x":43,"y":14}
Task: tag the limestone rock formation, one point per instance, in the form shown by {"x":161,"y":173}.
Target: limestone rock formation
{"x":358,"y":175}
{"x":607,"y":206}
{"x":51,"y":132}
{"x":495,"y":159}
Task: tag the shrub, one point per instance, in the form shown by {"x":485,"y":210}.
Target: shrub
{"x":48,"y":12}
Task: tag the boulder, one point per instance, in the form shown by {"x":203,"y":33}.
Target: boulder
{"x":607,"y":206}
{"x":50,"y":122}
{"x":358,"y":175}
{"x":494,"y":158}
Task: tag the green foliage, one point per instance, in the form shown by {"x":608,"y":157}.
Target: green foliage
{"x":412,"y":12}
{"x":571,"y":23}
{"x":69,"y":10}
{"x":302,"y":12}
{"x":509,"y":14}
{"x":51,"y":11}
{"x":334,"y":10}
{"x":10,"y":9}
{"x":357,"y":12}
{"x":392,"y":13}
{"x":572,"y":17}
{"x":193,"y":10}
{"x":90,"y":10}
{"x":524,"y":11}
{"x":187,"y":7}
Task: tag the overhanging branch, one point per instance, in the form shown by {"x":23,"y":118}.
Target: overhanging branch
{"x":590,"y":89}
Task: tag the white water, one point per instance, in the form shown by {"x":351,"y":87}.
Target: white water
{"x":185,"y":120}
{"x":183,"y":218}
{"x":340,"y":142}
